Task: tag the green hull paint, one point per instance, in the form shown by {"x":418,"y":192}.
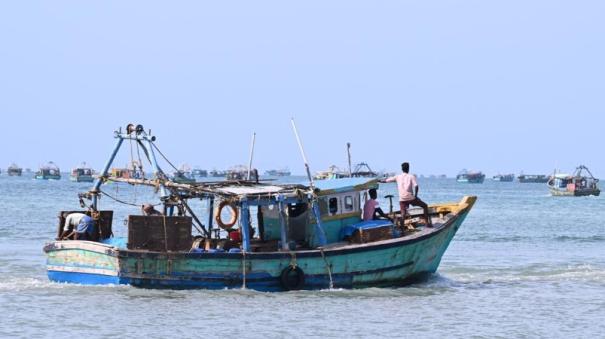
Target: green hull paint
{"x":384,"y":263}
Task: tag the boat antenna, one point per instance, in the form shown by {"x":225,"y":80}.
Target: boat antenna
{"x":302,"y":152}
{"x":251,"y":155}
{"x":349,"y":157}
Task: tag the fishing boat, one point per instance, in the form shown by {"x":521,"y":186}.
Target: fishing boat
{"x":533,"y":178}
{"x":14,"y":170}
{"x":240,"y":172}
{"x":50,"y":171}
{"x":304,"y":236}
{"x":278,"y":173}
{"x":218,"y":173}
{"x":504,"y":177}
{"x":199,"y":173}
{"x":333,"y":172}
{"x":470,"y":177}
{"x":183,"y":175}
{"x":82,"y":173}
{"x":363,"y":170}
{"x":575,"y":185}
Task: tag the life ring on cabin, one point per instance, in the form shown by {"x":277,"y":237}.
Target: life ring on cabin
{"x":292,"y":278}
{"x":234,"y":215}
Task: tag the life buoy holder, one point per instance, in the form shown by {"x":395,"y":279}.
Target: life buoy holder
{"x":234,"y":215}
{"x":292,"y":278}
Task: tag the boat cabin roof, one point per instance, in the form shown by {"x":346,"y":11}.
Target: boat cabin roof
{"x":332,"y":186}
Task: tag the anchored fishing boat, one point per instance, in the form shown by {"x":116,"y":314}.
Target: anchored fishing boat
{"x":504,"y":177}
{"x":275,"y":238}
{"x":14,"y":170}
{"x":533,"y":178}
{"x":470,"y":177}
{"x":333,"y":172}
{"x":82,"y":173}
{"x":363,"y":170}
{"x":197,"y":172}
{"x":50,"y":171}
{"x":575,"y":185}
{"x":240,"y":172}
{"x":278,"y":173}
{"x":183,"y":175}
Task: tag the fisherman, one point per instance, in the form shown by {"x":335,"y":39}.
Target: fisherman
{"x":408,"y":193}
{"x":149,"y":210}
{"x":79,"y":226}
{"x":371,"y":209}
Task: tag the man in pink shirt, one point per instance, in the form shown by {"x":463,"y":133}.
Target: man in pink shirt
{"x":408,"y":193}
{"x":371,"y":209}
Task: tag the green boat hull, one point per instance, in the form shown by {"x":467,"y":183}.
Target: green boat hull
{"x":392,"y":262}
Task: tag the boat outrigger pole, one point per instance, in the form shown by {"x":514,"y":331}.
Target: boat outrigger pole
{"x":251,"y":156}
{"x":302,"y":152}
{"x":138,"y":134}
{"x":319,"y":230}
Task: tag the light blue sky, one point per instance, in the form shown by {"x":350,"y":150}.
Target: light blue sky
{"x":488,"y":85}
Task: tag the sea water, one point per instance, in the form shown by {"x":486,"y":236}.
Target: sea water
{"x":523,"y":264}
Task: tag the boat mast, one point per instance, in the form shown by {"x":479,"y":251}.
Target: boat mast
{"x":349,"y":157}
{"x":138,"y":134}
{"x":302,"y":152}
{"x":251,"y":156}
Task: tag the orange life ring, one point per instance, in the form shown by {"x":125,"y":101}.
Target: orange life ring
{"x":234,"y":215}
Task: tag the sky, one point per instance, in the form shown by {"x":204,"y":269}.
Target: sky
{"x":497,"y":86}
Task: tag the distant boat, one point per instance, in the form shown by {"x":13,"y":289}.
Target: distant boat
{"x":333,"y":172}
{"x":83,"y":173}
{"x":504,"y":177}
{"x":199,"y":173}
{"x":278,"y":173}
{"x":533,"y":178}
{"x":123,"y":173}
{"x":576,"y":184}
{"x":14,"y":171}
{"x":240,"y":172}
{"x":50,"y":171}
{"x":217,"y":173}
{"x":470,"y":177}
{"x":363,"y":170}
{"x":183,"y":175}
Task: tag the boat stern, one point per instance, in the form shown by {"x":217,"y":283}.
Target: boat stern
{"x":82,"y":262}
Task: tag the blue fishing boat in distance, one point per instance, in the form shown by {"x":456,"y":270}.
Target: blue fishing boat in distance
{"x":470,"y":177}
{"x":254,"y":234}
{"x":50,"y":171}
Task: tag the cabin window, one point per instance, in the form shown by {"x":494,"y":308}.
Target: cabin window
{"x":333,"y":205}
{"x":348,"y":203}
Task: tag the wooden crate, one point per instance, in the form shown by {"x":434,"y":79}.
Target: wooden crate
{"x":361,"y":236}
{"x":159,"y":233}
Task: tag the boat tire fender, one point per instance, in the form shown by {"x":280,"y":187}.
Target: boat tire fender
{"x":292,"y":278}
{"x":234,"y":215}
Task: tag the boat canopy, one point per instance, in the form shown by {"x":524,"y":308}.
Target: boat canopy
{"x":332,"y":186}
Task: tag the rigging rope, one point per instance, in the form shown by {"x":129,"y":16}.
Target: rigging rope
{"x":163,"y":156}
{"x":122,"y":201}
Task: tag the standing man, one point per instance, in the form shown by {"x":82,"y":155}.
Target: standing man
{"x":408,"y":193}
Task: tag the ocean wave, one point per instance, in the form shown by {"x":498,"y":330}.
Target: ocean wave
{"x":594,"y":238}
{"x":526,"y":274}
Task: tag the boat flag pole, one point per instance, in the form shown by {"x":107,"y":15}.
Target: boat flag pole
{"x":320,"y":233}
{"x":302,"y":152}
{"x":349,"y":157}
{"x":251,"y":155}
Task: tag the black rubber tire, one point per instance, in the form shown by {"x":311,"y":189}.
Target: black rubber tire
{"x":290,"y":283}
